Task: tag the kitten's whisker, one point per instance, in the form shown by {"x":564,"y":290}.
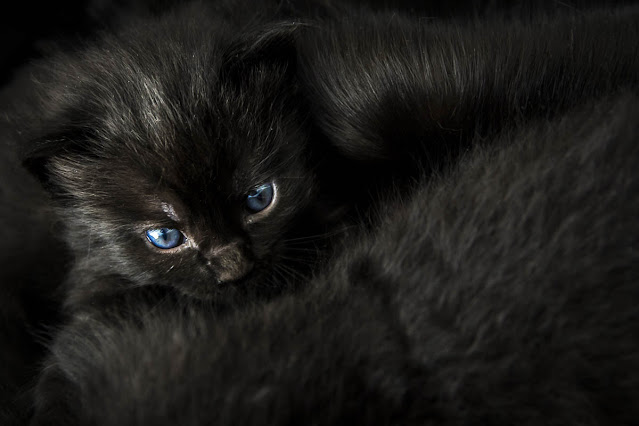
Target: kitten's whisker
{"x":286,"y":279}
{"x":318,"y":236}
{"x":89,"y":245}
{"x":280,"y":278}
{"x":302,"y":249}
{"x":303,"y":245}
{"x":292,"y":272}
{"x":163,"y":301}
{"x":303,"y":260}
{"x":278,"y":274}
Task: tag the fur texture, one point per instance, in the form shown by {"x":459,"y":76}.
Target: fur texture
{"x":170,"y":123}
{"x":502,"y":294}
{"x":495,"y":285}
{"x":128,"y":134}
{"x":399,"y":95}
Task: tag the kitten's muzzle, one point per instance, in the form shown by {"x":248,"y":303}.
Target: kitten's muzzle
{"x":230,"y":262}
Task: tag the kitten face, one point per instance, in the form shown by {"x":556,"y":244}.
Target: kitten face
{"x":177,"y":162}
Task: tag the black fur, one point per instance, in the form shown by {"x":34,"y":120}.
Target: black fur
{"x":122,"y":126}
{"x":399,"y":95}
{"x":170,"y":123}
{"x":504,"y":293}
{"x":496,"y":286}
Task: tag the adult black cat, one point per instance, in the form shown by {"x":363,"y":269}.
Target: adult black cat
{"x":398,"y":94}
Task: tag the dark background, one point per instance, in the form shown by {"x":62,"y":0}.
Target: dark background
{"x":26,"y":27}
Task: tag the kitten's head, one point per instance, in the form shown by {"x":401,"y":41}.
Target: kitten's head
{"x":178,"y":154}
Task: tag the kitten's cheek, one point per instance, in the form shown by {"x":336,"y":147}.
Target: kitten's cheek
{"x":264,"y":252}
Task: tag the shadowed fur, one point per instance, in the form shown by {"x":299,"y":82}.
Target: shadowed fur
{"x":502,"y":294}
{"x":495,"y":284}
{"x":399,"y":95}
{"x":171,"y":126}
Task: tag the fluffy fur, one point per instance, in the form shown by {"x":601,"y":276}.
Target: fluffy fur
{"x":398,"y":95}
{"x":496,"y":286}
{"x":502,"y":294}
{"x":170,"y":123}
{"x":126,"y":134}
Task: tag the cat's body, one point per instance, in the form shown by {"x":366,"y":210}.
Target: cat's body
{"x":398,"y":94}
{"x":504,"y":293}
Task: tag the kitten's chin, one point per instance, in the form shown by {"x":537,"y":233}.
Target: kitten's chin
{"x":216,"y":297}
{"x":215,"y":291}
{"x":256,"y":284}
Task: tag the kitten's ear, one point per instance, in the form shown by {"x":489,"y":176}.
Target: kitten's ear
{"x":274,"y":45}
{"x":39,"y":152}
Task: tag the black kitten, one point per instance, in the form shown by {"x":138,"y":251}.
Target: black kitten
{"x":179,"y":151}
{"x":504,"y":293}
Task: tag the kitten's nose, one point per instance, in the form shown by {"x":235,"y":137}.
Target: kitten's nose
{"x":230,"y":262}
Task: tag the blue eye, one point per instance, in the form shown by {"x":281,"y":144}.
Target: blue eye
{"x":165,"y":238}
{"x":260,"y":198}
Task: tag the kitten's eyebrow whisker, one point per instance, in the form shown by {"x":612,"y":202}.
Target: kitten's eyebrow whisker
{"x":170,"y":211}
{"x":309,"y":238}
{"x":266,"y":158}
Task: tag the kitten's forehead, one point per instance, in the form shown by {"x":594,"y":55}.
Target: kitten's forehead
{"x":143,"y":104}
{"x":165,"y":107}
